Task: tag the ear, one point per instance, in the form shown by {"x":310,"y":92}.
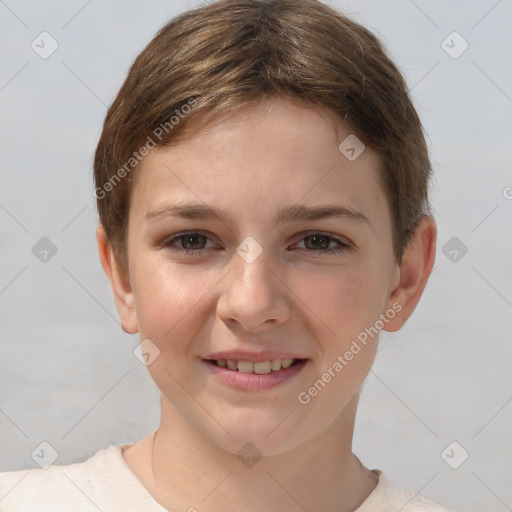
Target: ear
{"x":120,"y":281}
{"x":417,"y":263}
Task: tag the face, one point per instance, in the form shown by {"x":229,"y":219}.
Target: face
{"x":235,"y":254}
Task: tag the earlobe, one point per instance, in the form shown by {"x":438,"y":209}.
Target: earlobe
{"x":417,"y":263}
{"x":120,"y":282}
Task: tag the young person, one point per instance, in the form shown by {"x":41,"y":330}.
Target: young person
{"x":262,"y":188}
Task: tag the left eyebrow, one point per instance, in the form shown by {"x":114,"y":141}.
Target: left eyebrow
{"x":300,"y":212}
{"x":198,"y":211}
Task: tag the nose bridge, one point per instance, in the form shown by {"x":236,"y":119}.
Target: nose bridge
{"x":253,"y":294}
{"x":251,"y":272}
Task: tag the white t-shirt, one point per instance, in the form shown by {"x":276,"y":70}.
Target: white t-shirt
{"x":106,"y":483}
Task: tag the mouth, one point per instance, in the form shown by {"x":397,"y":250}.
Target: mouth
{"x":259,"y":367}
{"x":254,"y":372}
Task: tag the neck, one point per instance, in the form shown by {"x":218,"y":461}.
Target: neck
{"x":188,"y":470}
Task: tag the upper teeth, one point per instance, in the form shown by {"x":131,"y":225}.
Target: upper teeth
{"x":259,"y":367}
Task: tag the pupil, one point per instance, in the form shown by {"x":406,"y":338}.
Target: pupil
{"x":320,"y":238}
{"x":190,"y":240}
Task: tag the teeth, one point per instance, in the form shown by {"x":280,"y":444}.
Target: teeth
{"x":245,"y":366}
{"x":261,"y":367}
{"x":276,"y":364}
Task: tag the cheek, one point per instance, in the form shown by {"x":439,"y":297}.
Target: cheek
{"x":168,"y":297}
{"x":343,"y":300}
{"x":347,"y":301}
{"x":171,"y":314}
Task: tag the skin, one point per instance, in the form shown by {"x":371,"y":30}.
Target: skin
{"x":291,"y":298}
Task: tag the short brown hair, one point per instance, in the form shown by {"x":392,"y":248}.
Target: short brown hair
{"x":227,"y":54}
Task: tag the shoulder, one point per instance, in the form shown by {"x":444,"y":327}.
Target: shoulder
{"x":394,"y":499}
{"x":56,"y":487}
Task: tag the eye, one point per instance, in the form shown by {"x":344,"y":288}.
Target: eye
{"x":318,"y":242}
{"x":187,"y":243}
{"x":193,"y":243}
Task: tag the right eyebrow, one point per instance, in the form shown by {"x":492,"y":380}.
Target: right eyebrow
{"x":187,"y":211}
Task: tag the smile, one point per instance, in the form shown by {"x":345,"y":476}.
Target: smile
{"x":261,"y":367}
{"x":255,"y":375}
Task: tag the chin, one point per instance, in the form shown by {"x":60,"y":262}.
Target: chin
{"x":263,"y":433}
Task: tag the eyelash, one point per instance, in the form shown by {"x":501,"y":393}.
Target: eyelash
{"x":341,"y":247}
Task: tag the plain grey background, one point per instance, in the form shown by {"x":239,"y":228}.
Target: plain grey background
{"x":68,"y":374}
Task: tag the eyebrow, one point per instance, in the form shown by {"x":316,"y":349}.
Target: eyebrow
{"x":198,"y":211}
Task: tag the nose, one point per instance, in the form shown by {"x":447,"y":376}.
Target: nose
{"x":253,"y":296}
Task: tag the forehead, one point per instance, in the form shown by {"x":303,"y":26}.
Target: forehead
{"x":269,"y":153}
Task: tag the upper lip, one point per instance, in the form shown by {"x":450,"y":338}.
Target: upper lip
{"x":255,"y":357}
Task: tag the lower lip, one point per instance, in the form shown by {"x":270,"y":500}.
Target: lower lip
{"x":255,"y":381}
